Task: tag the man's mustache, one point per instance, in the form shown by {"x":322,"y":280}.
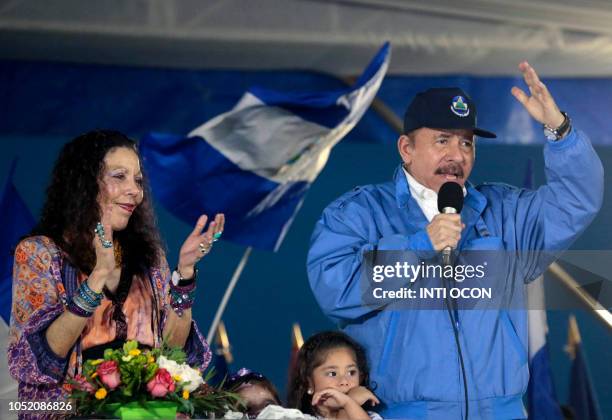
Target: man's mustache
{"x":450,"y":169}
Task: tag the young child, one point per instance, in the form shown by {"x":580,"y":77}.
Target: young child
{"x":255,"y":389}
{"x":331,"y":378}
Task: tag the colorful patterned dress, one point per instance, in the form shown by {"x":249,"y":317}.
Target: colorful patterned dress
{"x":42,"y":284}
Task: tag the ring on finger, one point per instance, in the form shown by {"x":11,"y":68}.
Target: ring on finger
{"x":203,"y":248}
{"x":99,"y":230}
{"x":217,"y":236}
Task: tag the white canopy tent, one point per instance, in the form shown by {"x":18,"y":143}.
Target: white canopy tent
{"x":477,"y":37}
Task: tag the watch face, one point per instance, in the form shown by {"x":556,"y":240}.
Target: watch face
{"x":550,"y":135}
{"x":176,"y":277}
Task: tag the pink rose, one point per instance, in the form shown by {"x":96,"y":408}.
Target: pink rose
{"x":82,"y":385}
{"x":161,"y":384}
{"x":109,"y":374}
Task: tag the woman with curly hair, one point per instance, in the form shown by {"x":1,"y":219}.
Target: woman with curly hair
{"x":92,"y":273}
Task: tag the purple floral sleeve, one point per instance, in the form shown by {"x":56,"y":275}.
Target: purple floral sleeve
{"x":36,"y":304}
{"x":197,"y":349}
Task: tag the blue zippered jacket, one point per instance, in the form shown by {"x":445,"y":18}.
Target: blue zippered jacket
{"x":412,"y":354}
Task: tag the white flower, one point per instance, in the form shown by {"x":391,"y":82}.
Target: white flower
{"x":233,"y":415}
{"x":278,"y":412}
{"x":170,"y":365}
{"x":191,"y":378}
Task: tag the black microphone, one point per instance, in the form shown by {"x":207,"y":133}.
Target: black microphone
{"x":450,"y":201}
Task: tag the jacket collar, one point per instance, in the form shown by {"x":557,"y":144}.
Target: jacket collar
{"x":473,"y":205}
{"x":402,"y":190}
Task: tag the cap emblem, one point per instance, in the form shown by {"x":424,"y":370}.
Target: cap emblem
{"x":460,"y":107}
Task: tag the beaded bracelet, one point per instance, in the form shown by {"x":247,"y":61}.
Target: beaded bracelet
{"x":79,"y":309}
{"x":89,"y":292}
{"x":182,"y":297}
{"x":87,"y":298}
{"x":86,"y":305}
{"x":85,"y":301}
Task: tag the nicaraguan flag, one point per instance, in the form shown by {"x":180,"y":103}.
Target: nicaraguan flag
{"x":582,"y":396}
{"x":541,"y":396}
{"x":256,"y":162}
{"x":542,"y":399}
{"x":17,"y":221}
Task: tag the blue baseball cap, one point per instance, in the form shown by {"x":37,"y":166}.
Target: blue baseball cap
{"x":449,"y":108}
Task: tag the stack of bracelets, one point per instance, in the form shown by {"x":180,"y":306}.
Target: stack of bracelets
{"x":85,"y":301}
{"x":182,"y":297}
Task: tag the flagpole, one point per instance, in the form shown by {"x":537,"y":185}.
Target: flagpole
{"x":223,"y":344}
{"x":228,"y":294}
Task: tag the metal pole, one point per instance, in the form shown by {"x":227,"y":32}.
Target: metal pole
{"x":601,"y":313}
{"x":228,"y":294}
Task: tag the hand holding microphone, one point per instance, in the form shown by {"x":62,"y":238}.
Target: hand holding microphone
{"x":445,"y":228}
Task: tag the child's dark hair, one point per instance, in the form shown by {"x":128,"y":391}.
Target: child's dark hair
{"x":312,"y":355}
{"x":247,"y":376}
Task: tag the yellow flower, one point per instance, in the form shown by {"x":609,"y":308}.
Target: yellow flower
{"x":97,"y":362}
{"x":177,"y":378}
{"x":185,"y":394}
{"x":151,"y":359}
{"x":93,"y":375}
{"x":134,"y":352}
{"x":101,"y":393}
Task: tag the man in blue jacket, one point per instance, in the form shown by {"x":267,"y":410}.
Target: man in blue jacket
{"x":413,"y":355}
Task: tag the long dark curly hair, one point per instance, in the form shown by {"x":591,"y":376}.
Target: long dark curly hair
{"x":71,"y":209}
{"x":312,"y":355}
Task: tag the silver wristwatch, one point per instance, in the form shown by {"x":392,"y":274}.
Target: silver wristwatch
{"x":555,"y":134}
{"x":178,"y":279}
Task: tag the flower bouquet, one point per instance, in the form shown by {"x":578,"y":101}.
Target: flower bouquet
{"x":158,"y":383}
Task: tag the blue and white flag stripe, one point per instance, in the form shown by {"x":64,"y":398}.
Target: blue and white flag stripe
{"x":255,"y":162}
{"x":543,"y":404}
{"x":287,"y":136}
{"x":582,"y":399}
{"x":541,"y":395}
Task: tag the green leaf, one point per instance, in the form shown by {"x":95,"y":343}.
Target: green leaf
{"x":130,"y":345}
{"x":173,"y":353}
